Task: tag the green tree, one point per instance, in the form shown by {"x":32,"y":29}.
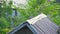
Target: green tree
{"x":32,"y":9}
{"x":48,"y":7}
{"x":5,"y":16}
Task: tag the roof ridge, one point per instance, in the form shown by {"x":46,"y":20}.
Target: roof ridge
{"x":33,"y":20}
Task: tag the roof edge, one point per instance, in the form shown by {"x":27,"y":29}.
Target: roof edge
{"x":17,"y":28}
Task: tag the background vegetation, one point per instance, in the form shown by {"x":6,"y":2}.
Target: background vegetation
{"x":12,"y":17}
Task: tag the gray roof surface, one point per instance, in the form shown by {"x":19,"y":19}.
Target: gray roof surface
{"x":45,"y":27}
{"x":40,"y":24}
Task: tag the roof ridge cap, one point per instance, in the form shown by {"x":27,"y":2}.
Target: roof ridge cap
{"x":33,"y":20}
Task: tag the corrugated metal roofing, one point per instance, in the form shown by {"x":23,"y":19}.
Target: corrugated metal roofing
{"x":40,"y":24}
{"x":45,"y":28}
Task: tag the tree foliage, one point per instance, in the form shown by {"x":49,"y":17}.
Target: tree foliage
{"x":5,"y":16}
{"x":32,"y":9}
{"x":48,"y":7}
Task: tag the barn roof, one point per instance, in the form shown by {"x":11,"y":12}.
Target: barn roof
{"x":40,"y":24}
